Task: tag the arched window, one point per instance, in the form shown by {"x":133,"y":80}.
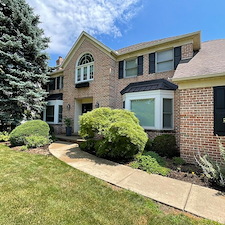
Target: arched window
{"x":85,"y":68}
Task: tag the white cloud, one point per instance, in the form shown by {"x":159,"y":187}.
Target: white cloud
{"x":64,"y":20}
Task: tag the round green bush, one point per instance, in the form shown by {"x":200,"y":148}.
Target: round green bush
{"x":117,"y":131}
{"x":29,"y":128}
{"x":165,"y":145}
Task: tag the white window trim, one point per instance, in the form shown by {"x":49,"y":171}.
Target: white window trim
{"x":156,"y":61}
{"x":158,"y":95}
{"x":124,"y":67}
{"x":88,"y":65}
{"x":56,"y":104}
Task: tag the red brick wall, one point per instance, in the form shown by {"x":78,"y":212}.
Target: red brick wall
{"x":196,"y":124}
{"x":106,"y":87}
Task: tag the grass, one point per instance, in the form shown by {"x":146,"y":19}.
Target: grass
{"x":37,"y":189}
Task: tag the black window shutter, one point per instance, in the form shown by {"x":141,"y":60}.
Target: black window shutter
{"x":177,"y":56}
{"x":121,"y":65}
{"x":140,"y":65}
{"x":152,"y":63}
{"x":219,"y":110}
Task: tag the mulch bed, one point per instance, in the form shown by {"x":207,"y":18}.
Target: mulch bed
{"x":39,"y":150}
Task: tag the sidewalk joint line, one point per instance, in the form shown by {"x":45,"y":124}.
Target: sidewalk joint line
{"x":125,"y":177}
{"x":187,"y":198}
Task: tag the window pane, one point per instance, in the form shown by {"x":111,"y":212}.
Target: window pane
{"x":131,"y":64}
{"x":58,"y":82}
{"x":91,"y":72}
{"x":165,"y":66}
{"x":50,"y":113}
{"x":61,"y":82}
{"x":167,"y":113}
{"x":165,"y":56}
{"x":85,"y":73}
{"x":131,"y":72}
{"x":79,"y":74}
{"x":144,"y":110}
{"x":60,"y":114}
{"x":52,"y":84}
{"x":167,"y":105}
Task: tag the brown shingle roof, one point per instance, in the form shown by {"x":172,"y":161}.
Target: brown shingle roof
{"x":209,"y":60}
{"x":151,"y":43}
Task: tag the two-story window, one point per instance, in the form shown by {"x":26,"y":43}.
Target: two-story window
{"x":85,"y":68}
{"x":55,"y":83}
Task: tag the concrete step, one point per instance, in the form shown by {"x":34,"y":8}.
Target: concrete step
{"x":74,"y":138}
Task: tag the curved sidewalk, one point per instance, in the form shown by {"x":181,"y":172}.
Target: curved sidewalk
{"x":201,"y":201}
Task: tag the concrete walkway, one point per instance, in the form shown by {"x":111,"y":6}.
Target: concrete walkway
{"x":201,"y":201}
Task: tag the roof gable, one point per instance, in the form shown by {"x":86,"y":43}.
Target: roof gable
{"x":85,"y":36}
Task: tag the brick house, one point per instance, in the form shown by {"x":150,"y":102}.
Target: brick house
{"x":170,"y":84}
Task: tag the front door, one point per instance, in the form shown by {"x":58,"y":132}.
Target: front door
{"x":86,"y":107}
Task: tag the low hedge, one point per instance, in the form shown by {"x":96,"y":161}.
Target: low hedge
{"x":165,"y":145}
{"x":30,"y":128}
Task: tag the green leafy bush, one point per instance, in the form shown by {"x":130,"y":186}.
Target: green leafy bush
{"x":23,"y":148}
{"x":214,"y":171}
{"x":178,"y":161}
{"x":4,"y":136}
{"x":150,"y":164}
{"x":148,"y":145}
{"x":33,"y":127}
{"x":118,"y":132}
{"x":165,"y":145}
{"x":34,"y":141}
{"x":161,"y":161}
{"x":88,"y":145}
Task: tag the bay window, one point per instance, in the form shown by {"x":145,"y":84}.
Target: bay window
{"x":154,"y":109}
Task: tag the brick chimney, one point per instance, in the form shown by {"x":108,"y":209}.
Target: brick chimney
{"x":59,"y":61}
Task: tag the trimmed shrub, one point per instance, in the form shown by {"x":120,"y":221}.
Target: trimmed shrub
{"x":34,"y":141}
{"x":148,"y":145}
{"x":165,"y":145}
{"x":178,"y":161}
{"x":118,"y":132}
{"x":150,"y":164}
{"x":88,"y":146}
{"x":4,"y":136}
{"x":33,"y":127}
{"x":23,"y":148}
{"x":161,"y":161}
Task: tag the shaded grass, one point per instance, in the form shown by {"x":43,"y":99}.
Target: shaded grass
{"x":38,"y":189}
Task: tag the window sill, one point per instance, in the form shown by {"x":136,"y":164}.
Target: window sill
{"x":83,"y":84}
{"x":130,"y":76}
{"x":52,"y":123}
{"x":161,"y":131}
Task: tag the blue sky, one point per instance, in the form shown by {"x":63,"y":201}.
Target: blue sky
{"x":120,"y":23}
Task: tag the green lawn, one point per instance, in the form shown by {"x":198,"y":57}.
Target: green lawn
{"x":38,"y":189}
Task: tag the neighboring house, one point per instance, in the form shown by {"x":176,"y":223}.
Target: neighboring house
{"x":168,"y":83}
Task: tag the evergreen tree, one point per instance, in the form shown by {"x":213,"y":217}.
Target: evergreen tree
{"x":23,"y":63}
